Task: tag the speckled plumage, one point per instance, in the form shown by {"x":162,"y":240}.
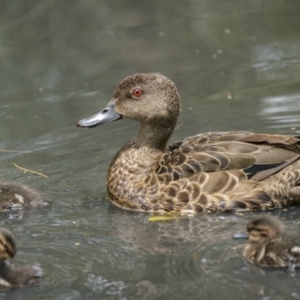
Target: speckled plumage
{"x":16,"y":196}
{"x":12,"y":275}
{"x":269,"y":246}
{"x":209,"y":172}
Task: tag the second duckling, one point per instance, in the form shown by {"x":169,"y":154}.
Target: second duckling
{"x":16,"y":196}
{"x":269,"y":245}
{"x":10,"y":274}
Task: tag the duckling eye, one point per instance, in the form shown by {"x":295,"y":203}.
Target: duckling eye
{"x":137,"y":92}
{"x":4,"y":246}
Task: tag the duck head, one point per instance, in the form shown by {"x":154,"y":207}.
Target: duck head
{"x":147,"y":98}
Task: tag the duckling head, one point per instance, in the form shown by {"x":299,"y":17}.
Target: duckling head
{"x":7,"y":244}
{"x":263,"y":229}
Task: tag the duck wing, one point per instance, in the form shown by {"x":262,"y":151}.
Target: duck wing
{"x":227,"y":171}
{"x":257,"y":155}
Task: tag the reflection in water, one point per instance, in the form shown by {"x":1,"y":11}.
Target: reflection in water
{"x":282,"y":111}
{"x":236,"y":66}
{"x":101,"y":285}
{"x":275,"y":56}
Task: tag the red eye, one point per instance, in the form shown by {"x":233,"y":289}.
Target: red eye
{"x":137,"y":92}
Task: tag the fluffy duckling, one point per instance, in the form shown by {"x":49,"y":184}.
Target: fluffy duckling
{"x":15,"y":196}
{"x":10,"y":274}
{"x":269,"y":246}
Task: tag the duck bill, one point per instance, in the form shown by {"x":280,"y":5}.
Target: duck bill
{"x":108,"y":114}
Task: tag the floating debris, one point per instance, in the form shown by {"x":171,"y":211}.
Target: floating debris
{"x":178,"y":126}
{"x":30,"y":171}
{"x":164,"y":218}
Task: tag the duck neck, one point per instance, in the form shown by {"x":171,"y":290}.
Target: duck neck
{"x":153,"y":136}
{"x":131,"y":175}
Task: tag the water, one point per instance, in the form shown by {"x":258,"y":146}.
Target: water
{"x":237,"y":67}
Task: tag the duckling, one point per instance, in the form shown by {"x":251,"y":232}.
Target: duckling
{"x":10,"y":274}
{"x":268,"y":244}
{"x":208,"y":172}
{"x":16,"y":196}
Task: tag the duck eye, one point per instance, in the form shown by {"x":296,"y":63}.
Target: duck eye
{"x":137,"y":92}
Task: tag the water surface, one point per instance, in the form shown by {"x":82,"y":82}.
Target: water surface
{"x":237,"y":67}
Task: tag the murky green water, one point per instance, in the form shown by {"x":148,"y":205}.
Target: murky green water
{"x":237,"y":66}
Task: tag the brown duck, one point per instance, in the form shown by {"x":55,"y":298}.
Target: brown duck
{"x":12,"y":275}
{"x":269,"y":246}
{"x":208,"y":172}
{"x":16,"y":196}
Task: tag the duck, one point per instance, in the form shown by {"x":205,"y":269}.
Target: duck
{"x":16,"y":196}
{"x":12,"y":275}
{"x":269,"y":245}
{"x":209,"y":172}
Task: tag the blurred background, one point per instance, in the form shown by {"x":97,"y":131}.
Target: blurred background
{"x":237,"y":67}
